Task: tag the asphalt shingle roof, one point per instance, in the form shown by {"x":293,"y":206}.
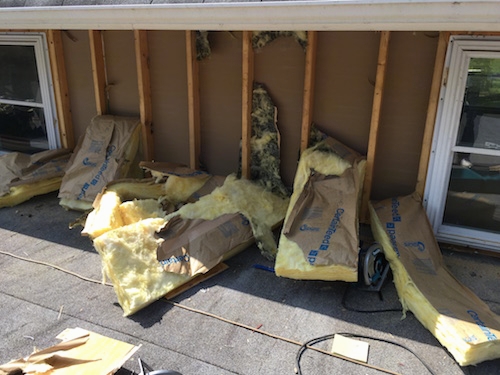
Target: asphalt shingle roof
{"x":43,"y":3}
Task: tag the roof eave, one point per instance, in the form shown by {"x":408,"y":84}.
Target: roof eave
{"x":360,"y":15}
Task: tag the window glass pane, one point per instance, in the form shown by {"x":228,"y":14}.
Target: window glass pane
{"x":22,"y":129}
{"x":480,"y":120}
{"x":19,"y":76}
{"x":473,"y":198}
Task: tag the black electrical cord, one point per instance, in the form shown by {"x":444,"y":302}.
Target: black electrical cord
{"x":344,"y":305}
{"x":304,"y":347}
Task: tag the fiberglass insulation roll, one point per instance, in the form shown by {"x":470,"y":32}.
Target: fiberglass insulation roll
{"x":461,"y":321}
{"x":23,"y":176}
{"x":319,"y":240}
{"x":144,"y":264}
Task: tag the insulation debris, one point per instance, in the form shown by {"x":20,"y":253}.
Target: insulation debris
{"x":262,"y":38}
{"x":129,"y":260}
{"x":316,"y":135}
{"x":320,"y":239}
{"x":23,"y":176}
{"x":147,"y":253}
{"x":203,"y":49}
{"x":104,"y":154}
{"x":265,"y":143}
{"x":171,"y":185}
{"x":262,"y":208}
{"x":460,"y":320}
{"x":192,"y":247}
{"x":79,"y":352}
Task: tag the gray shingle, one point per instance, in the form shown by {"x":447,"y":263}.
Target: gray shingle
{"x":12,"y":3}
{"x":123,"y":2}
{"x":175,"y":1}
{"x":231,"y":1}
{"x":79,"y":2}
{"x":43,"y":3}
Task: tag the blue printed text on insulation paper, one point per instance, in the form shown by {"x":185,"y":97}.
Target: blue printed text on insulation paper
{"x":98,"y":175}
{"x":325,"y":243}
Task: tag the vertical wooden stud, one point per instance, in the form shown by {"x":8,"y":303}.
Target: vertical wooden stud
{"x":246,"y":103}
{"x":432,"y":111}
{"x":309,"y":77}
{"x":144,"y":83}
{"x":375,"y":122}
{"x":61,"y":93}
{"x":193,"y":100}
{"x":98,"y":71}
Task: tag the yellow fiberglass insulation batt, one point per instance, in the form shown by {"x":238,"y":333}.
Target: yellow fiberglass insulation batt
{"x":129,"y":260}
{"x":328,"y":158}
{"x":262,"y":208}
{"x":109,"y":212}
{"x":461,"y":321}
{"x":125,"y":233}
{"x":23,"y":176}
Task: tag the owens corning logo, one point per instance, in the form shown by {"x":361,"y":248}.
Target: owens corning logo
{"x":325,"y":244}
{"x":490,"y":335}
{"x":88,"y":163}
{"x":305,"y":227}
{"x":418,"y":244}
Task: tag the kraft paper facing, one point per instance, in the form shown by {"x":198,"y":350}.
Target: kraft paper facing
{"x":461,"y":321}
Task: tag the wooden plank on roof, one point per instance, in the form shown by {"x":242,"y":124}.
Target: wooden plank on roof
{"x":196,"y":280}
{"x":61,"y":92}
{"x":144,"y":83}
{"x":375,"y":122}
{"x":193,"y":100}
{"x":309,"y":78}
{"x":98,"y":71}
{"x":246,"y":103}
{"x":432,"y":107}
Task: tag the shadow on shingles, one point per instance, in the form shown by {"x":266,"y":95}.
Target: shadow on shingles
{"x":151,"y":314}
{"x":42,"y":217}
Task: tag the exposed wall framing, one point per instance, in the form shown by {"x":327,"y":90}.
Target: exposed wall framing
{"x":375,"y":122}
{"x":309,"y":77}
{"x":61,"y":93}
{"x":98,"y":71}
{"x":142,"y":61}
{"x":246,"y":110}
{"x":144,"y":84}
{"x":431,"y":112}
{"x":193,"y":100}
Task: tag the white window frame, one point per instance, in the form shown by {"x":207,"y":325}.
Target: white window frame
{"x":39,"y":42}
{"x":460,"y":50}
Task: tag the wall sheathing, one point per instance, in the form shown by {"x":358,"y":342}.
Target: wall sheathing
{"x":280,"y":67}
{"x":220,"y":103}
{"x":79,"y":75}
{"x":167,"y":54}
{"x":346,"y":66}
{"x":345,"y":73}
{"x":121,"y":73}
{"x":406,"y":98}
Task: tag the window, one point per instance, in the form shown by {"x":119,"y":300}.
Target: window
{"x":462,"y":194}
{"x":27,"y":113}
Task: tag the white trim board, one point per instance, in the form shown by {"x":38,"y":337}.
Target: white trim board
{"x":361,"y":15}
